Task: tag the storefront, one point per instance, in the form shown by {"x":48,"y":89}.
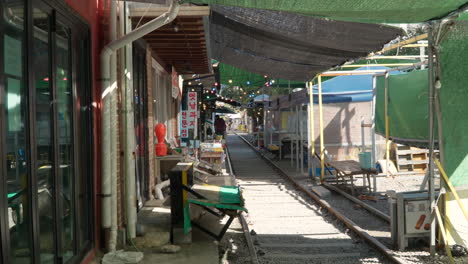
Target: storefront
{"x":46,"y":143}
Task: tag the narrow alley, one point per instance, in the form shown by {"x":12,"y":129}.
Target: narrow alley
{"x":233,"y":131}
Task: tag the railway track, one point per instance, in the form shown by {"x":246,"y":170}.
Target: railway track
{"x":288,"y":223}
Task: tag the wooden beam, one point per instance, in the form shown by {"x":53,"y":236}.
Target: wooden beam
{"x":403,"y":57}
{"x":180,"y":29}
{"x":184,"y":11}
{"x":182,"y":54}
{"x":174,"y":34}
{"x":155,"y":44}
{"x":179,"y":22}
{"x":150,"y":37}
{"x":177,"y":49}
{"x":376,"y":65}
{"x":402,"y":43}
{"x":343,"y":73}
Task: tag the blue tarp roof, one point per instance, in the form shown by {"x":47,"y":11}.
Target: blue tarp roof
{"x":348,"y":88}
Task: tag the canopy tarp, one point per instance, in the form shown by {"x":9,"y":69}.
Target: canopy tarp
{"x":407,"y":107}
{"x":234,"y":76}
{"x":348,"y":88}
{"x":453,"y":101}
{"x":369,"y":11}
{"x":290,"y":46}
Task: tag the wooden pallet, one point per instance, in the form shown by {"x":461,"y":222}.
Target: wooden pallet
{"x":411,"y":158}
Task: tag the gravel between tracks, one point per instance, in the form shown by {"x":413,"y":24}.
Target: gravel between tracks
{"x":378,"y":228}
{"x":291,"y":233}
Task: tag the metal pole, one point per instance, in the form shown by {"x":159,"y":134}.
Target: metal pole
{"x":387,"y":131}
{"x":363,"y":135}
{"x":431,"y":135}
{"x":374,"y":148}
{"x":311,"y":132}
{"x":270,"y":118}
{"x":301,"y":132}
{"x":264,"y":116}
{"x":297,"y":137}
{"x":322,"y":146}
{"x":291,"y":139}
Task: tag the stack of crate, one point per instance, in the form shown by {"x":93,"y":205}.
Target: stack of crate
{"x":411,"y":159}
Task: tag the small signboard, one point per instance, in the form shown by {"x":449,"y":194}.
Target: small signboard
{"x":184,"y":124}
{"x":192,"y":108}
{"x":175,"y":83}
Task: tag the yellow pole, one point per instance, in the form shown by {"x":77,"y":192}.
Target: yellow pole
{"x":403,"y":43}
{"x":311,"y":125}
{"x":375,"y":65}
{"x":444,"y":235}
{"x":403,"y":57}
{"x":322,"y":147}
{"x":387,"y":132}
{"x":451,"y":188}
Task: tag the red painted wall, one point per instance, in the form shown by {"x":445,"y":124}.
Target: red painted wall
{"x":92,"y":12}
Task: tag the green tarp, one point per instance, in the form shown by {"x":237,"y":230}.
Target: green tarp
{"x":407,"y":107}
{"x":370,"y":11}
{"x":244,"y":78}
{"x":454,"y":100}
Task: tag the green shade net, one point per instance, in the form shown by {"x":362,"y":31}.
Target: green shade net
{"x":454,"y":100}
{"x":240,"y":77}
{"x":375,"y":11}
{"x":407,"y":107}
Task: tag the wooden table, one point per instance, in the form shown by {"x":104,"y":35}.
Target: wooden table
{"x":346,"y":169}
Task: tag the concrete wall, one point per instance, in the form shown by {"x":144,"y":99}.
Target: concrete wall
{"x":342,"y":128}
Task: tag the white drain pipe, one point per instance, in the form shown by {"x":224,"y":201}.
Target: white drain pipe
{"x":109,"y":115}
{"x":129,"y":132}
{"x":158,"y":189}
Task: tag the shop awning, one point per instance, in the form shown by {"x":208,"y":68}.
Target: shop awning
{"x":289,"y":46}
{"x":369,"y":11}
{"x":182,"y":43}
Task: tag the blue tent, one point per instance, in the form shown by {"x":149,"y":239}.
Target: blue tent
{"x":348,"y":88}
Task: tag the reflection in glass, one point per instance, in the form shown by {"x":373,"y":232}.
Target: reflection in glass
{"x":15,"y":125}
{"x":65,"y":134}
{"x":44,"y":134}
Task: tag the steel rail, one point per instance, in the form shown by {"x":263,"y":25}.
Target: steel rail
{"x":345,"y":220}
{"x":245,"y":226}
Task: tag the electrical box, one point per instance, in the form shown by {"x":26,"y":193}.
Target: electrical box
{"x":410,"y":216}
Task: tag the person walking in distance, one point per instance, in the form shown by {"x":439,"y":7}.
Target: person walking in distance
{"x":220,"y":126}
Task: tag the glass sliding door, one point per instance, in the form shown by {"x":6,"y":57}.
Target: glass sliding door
{"x":46,"y":193}
{"x":65,"y":137}
{"x":45,"y":149}
{"x":14,"y":145}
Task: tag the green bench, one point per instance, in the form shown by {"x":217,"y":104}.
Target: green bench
{"x":230,"y":203}
{"x":224,"y":200}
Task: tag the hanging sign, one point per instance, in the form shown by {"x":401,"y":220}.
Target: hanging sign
{"x":184,"y":124}
{"x":175,"y":83}
{"x":192,"y":110}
